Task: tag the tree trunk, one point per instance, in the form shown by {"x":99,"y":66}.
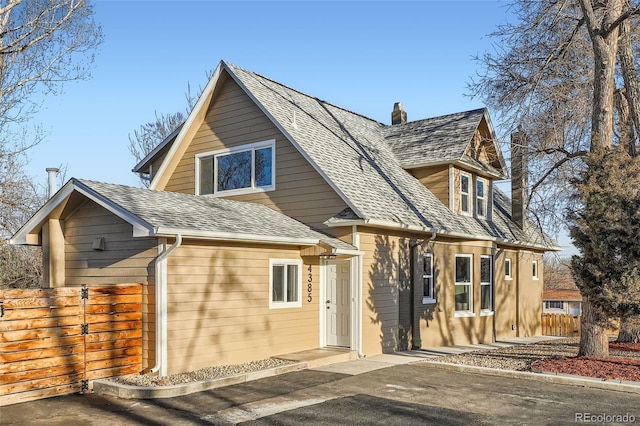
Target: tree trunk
{"x":630,"y":76}
{"x":627,"y":136}
{"x":629,"y":330}
{"x":593,"y":331}
{"x":604,"y":39}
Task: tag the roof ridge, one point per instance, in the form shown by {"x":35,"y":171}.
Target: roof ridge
{"x":304,"y":94}
{"x":442,"y":116}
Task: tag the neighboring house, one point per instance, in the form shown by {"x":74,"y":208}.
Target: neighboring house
{"x":276,"y":222}
{"x":562,"y":301}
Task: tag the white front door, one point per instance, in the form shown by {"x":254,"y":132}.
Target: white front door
{"x":337,"y":303}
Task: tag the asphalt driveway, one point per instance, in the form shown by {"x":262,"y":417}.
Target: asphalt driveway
{"x":400,"y":395}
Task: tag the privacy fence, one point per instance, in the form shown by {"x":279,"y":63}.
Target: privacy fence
{"x":55,"y":341}
{"x":560,"y":325}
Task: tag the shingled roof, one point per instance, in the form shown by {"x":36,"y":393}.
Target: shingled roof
{"x":369,"y":175}
{"x":163,"y":213}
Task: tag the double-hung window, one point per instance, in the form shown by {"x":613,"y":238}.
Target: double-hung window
{"x":486,"y":284}
{"x":534,"y":269}
{"x":285,"y":283}
{"x":238,"y":170}
{"x":481,"y":197}
{"x":464,"y":285}
{"x":465,"y":193}
{"x":507,"y":269}
{"x":428,"y":295}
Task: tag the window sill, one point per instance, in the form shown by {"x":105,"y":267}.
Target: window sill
{"x":508,"y":278}
{"x":242,"y":191}
{"x":464,"y":314}
{"x":486,"y":313}
{"x":276,"y":305}
{"x":428,"y":301}
{"x":535,"y":279}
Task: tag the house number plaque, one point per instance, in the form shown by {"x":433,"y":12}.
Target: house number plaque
{"x":309,"y":284}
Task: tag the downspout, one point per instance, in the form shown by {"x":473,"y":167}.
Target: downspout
{"x":161,"y":308}
{"x":355,"y":241}
{"x":494,"y":251}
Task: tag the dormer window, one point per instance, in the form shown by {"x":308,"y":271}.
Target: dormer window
{"x":465,"y":195}
{"x":239,"y":170}
{"x":481,"y":197}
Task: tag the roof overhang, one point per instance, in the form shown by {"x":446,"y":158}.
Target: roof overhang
{"x":229,"y":236}
{"x":28,"y":233}
{"x":334,"y":223}
{"x":162,"y":146}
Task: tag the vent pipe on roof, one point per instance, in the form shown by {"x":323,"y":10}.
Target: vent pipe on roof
{"x":398,"y":115}
{"x":52,"y":175}
{"x":519,"y":172}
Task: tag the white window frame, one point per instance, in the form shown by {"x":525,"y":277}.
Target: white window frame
{"x":468,"y":194}
{"x":482,"y":200}
{"x":469,"y":312}
{"x":548,"y":303}
{"x":428,"y":275}
{"x":534,"y":270}
{"x":253,"y":147}
{"x":508,"y":270}
{"x":485,"y":284}
{"x":285,"y":262}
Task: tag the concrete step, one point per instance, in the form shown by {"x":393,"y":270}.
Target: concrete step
{"x":320,"y":356}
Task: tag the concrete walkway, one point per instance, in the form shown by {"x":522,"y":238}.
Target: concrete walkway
{"x":364,"y":365}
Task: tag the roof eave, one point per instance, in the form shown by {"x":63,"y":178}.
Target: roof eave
{"x":149,"y":158}
{"x":232,"y":236}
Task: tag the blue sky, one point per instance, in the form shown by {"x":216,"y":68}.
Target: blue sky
{"x":361,"y":55}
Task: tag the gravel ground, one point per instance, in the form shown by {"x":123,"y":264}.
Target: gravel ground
{"x":208,"y":373}
{"x":520,"y":358}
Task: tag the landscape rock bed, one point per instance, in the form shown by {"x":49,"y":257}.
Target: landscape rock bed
{"x":557,"y":356}
{"x":208,"y":373}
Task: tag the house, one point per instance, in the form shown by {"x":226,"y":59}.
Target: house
{"x":277,"y":222}
{"x":560,"y":294}
{"x":562,"y":301}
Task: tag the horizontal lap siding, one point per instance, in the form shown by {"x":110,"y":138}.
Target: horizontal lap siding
{"x":436,"y":179}
{"x":125,"y":259}
{"x":234,"y":120}
{"x":219,"y":307}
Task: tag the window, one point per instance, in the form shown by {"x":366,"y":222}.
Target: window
{"x":465,"y":182}
{"x":285,"y":281}
{"x":428,"y":295}
{"x":240,"y":170}
{"x":534,"y":271}
{"x":481,"y":197}
{"x":507,"y":269}
{"x":486,"y":284}
{"x":464,"y":285}
{"x":554,"y":304}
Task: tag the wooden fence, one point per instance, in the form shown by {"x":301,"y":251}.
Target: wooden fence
{"x":54,"y":341}
{"x":560,"y":325}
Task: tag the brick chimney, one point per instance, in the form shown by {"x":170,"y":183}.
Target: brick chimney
{"x":398,"y":115}
{"x":519,"y":172}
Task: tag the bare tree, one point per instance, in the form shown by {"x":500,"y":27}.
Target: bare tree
{"x":145,"y":139}
{"x":43,"y":44}
{"x":553,"y":74}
